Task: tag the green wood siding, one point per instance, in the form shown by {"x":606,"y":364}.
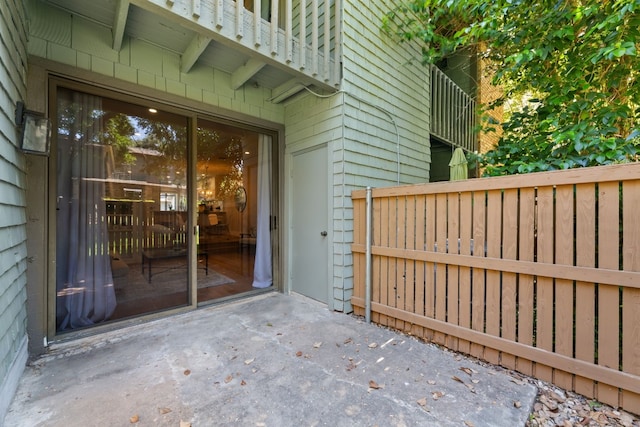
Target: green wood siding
{"x":13,"y":252}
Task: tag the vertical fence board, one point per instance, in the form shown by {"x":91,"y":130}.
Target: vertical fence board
{"x":509,"y":251}
{"x":525,"y":281}
{"x":358,"y":259}
{"x":419,"y":305}
{"x":564,"y":239}
{"x":430,"y":241}
{"x":400,"y":263}
{"x":376,"y":261}
{"x":585,"y":292}
{"x":410,"y":266}
{"x":392,"y":289}
{"x":464,"y":315}
{"x":384,"y":262}
{"x":441,"y":269}
{"x":608,"y":297}
{"x":494,"y":242}
{"x":478,"y":285}
{"x":630,"y":296}
{"x":453,"y":271}
{"x":544,"y":291}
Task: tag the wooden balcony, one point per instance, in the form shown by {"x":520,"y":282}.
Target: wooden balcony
{"x":282,"y":45}
{"x":300,"y":38}
{"x":453,"y":112}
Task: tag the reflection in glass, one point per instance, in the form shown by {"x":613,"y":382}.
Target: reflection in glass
{"x":123,"y":205}
{"x":121,"y":244}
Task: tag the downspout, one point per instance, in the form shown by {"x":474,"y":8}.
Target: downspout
{"x":367,"y":255}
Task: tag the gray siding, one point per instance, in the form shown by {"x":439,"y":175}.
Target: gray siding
{"x":13,"y":295}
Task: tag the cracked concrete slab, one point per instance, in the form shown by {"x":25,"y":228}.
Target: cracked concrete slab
{"x":271,"y":360}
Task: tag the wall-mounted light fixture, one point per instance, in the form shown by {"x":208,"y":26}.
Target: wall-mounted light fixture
{"x":35,"y":130}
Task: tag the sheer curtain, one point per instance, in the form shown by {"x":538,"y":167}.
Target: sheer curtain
{"x":84,"y":282}
{"x":262,"y":273}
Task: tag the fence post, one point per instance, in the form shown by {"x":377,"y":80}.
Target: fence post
{"x":367,"y":256}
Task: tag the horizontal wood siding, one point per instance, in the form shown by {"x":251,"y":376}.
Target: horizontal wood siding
{"x":310,"y":122}
{"x":539,"y":273}
{"x":13,"y":253}
{"x":387,"y":106}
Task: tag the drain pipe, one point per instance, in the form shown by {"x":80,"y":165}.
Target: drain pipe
{"x":367,"y":273}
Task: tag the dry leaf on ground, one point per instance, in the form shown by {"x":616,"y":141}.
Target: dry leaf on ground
{"x":134,"y":419}
{"x":374,"y":385}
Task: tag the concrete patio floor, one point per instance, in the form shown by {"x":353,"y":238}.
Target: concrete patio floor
{"x":270,"y":360}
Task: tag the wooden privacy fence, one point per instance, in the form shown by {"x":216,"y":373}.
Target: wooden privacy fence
{"x":539,"y":273}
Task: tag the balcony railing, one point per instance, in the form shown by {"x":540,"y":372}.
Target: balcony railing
{"x":453,"y":117}
{"x":302,"y":37}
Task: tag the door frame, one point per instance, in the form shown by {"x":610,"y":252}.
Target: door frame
{"x":290,"y":152}
{"x":41,"y":74}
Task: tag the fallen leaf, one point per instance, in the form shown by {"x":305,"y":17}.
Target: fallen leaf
{"x":422,"y":402}
{"x":475,"y":381}
{"x":249,"y":361}
{"x":298,"y":353}
{"x":347,"y":341}
{"x":134,"y":419}
{"x":466,"y":370}
{"x":228,"y":379}
{"x":457,"y":379}
{"x":431,"y":382}
{"x":437,"y":395}
{"x":317,"y":345}
{"x":470,"y":387}
{"x":469,"y":424}
{"x":243,"y":382}
{"x":374,"y":385}
{"x":373,"y":345}
{"x":164,"y":410}
{"x":185,"y":424}
{"x":187,"y":372}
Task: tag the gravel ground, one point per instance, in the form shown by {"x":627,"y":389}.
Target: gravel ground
{"x":557,"y":407}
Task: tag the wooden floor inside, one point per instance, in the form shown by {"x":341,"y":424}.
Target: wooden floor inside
{"x":234,"y":264}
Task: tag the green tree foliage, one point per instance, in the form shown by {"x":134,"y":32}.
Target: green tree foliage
{"x":573,"y":67}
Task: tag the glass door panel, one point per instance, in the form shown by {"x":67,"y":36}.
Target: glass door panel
{"x":121,"y":212}
{"x":227,"y":192}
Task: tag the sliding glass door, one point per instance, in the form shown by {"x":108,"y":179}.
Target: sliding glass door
{"x":124,"y":205}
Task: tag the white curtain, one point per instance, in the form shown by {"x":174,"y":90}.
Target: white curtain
{"x":262,"y":273}
{"x":84,"y":282}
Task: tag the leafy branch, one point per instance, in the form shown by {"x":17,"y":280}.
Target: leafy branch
{"x":574,"y":65}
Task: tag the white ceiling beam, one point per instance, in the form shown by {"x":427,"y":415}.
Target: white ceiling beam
{"x":193,"y":52}
{"x":244,"y":73}
{"x":119,"y":23}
